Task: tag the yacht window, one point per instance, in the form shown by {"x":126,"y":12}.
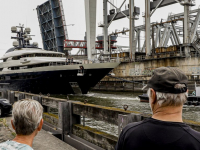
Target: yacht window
{"x":15,"y":58}
{"x":23,"y":67}
{"x":4,"y":60}
{"x":35,"y":55}
{"x":38,"y":55}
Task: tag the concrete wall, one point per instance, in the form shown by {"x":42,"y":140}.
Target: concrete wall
{"x":67,"y":123}
{"x":189,"y":65}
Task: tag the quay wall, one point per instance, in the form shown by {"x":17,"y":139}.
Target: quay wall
{"x":140,"y":72}
{"x":189,"y":66}
{"x":62,"y":118}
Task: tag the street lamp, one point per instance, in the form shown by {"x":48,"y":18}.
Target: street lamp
{"x":70,"y":25}
{"x":65,"y":27}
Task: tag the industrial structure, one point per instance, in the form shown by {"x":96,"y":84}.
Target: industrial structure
{"x":115,"y":14}
{"x":173,"y":42}
{"x":157,"y":35}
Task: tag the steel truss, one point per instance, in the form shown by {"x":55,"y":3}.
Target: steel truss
{"x":171,"y":32}
{"x":83,"y":44}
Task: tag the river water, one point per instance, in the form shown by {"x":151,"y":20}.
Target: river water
{"x":119,"y":99}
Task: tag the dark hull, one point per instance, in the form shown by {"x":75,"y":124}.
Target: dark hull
{"x":54,"y":82}
{"x":144,"y":98}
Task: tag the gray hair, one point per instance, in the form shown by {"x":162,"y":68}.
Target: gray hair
{"x":169,"y":99}
{"x":27,"y":115}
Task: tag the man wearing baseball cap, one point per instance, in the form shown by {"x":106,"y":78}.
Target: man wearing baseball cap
{"x":165,"y":130}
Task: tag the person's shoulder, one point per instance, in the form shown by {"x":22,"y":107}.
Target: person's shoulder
{"x":195,"y":134}
{"x":25,"y":147}
{"x":3,"y":144}
{"x":12,"y":145}
{"x":133,"y":125}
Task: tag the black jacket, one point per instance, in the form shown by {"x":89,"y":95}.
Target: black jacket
{"x":152,"y":134}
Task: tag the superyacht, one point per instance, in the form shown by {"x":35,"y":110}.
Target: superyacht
{"x":26,"y":67}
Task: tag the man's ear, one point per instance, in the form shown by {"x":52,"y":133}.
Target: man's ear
{"x":40,"y":125}
{"x":12,"y":124}
{"x":153,"y":96}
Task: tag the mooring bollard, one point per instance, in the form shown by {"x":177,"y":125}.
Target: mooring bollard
{"x":21,"y":96}
{"x":4,"y":94}
{"x":37,"y":98}
{"x":64,"y":118}
{"x":8,"y":95}
{"x":12,"y":97}
{"x":67,"y":118}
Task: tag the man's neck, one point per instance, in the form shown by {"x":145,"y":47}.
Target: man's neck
{"x":25,"y":139}
{"x":172,"y":114}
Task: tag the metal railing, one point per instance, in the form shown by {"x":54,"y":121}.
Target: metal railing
{"x":63,"y":63}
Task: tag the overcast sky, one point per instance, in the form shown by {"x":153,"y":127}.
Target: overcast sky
{"x":13,"y":12}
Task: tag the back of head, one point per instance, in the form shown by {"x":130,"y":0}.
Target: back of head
{"x":27,"y":115}
{"x":169,"y":99}
{"x":170,"y":86}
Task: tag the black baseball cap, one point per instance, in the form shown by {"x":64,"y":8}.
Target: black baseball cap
{"x":165,"y":79}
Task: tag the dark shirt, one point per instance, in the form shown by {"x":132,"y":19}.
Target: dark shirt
{"x":152,"y":134}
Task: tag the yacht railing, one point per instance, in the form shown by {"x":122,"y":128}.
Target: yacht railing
{"x":60,"y":63}
{"x":82,"y":62}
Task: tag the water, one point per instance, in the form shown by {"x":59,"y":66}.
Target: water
{"x":112,"y":99}
{"x":119,"y":99}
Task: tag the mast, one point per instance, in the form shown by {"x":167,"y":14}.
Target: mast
{"x":23,"y":37}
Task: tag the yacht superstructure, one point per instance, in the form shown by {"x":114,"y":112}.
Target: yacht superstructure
{"x":26,"y":67}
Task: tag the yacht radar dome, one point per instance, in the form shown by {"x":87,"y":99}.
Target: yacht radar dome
{"x":35,"y":44}
{"x":25,"y":35}
{"x":15,"y":43}
{"x":29,"y":38}
{"x":28,"y":30}
{"x":13,"y":29}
